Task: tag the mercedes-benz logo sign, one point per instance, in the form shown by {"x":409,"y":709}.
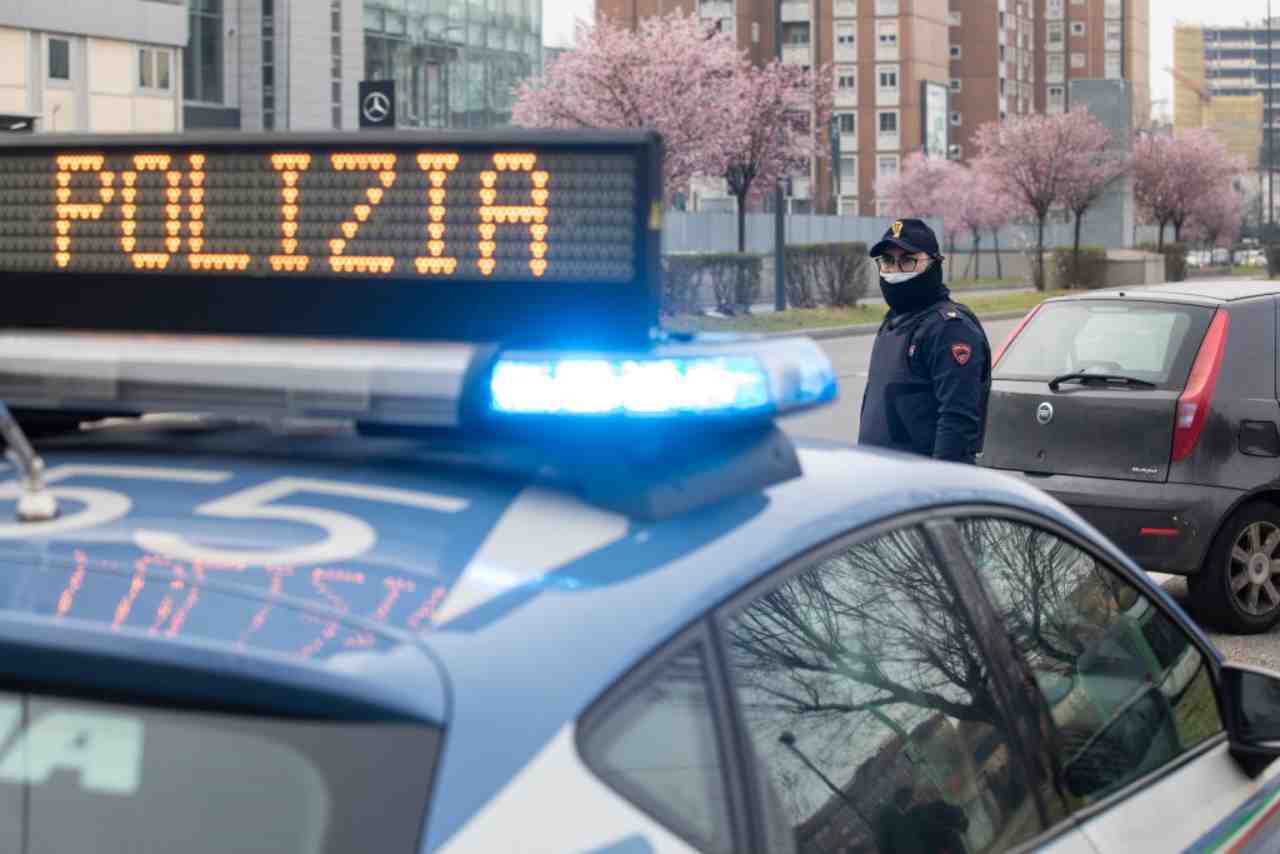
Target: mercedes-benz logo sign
{"x":376,"y":106}
{"x":1044,"y":412}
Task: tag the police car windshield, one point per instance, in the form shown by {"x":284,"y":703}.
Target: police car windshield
{"x":80,"y":776}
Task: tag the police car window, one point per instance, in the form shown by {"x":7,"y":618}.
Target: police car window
{"x":658,"y":746}
{"x":872,"y":709}
{"x":88,"y":776}
{"x":1126,"y":688}
{"x":1152,"y":342}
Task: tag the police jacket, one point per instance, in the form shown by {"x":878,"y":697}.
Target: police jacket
{"x":928,"y":384}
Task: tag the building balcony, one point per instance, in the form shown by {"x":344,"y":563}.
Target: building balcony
{"x":888,"y":142}
{"x":797,"y":54}
{"x":848,"y":143}
{"x":796,"y":10}
{"x":844,"y":53}
{"x":716,"y":8}
{"x":846,"y":97}
{"x":887,"y":97}
{"x":845,"y":9}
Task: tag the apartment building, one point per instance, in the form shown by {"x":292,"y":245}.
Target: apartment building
{"x":297,"y":64}
{"x":1092,"y":40}
{"x":880,"y":52}
{"x":70,"y":66}
{"x":993,"y":66}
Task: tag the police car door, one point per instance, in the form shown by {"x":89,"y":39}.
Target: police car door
{"x":1138,"y":740}
{"x":873,"y":705}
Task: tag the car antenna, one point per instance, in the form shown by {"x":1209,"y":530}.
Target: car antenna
{"x":36,"y":504}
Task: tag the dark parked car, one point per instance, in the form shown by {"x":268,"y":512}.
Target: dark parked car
{"x":1153,"y":413}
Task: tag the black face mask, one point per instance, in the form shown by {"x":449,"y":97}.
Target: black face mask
{"x":916,"y":293}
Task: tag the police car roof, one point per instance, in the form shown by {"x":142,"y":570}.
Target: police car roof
{"x":462,"y":568}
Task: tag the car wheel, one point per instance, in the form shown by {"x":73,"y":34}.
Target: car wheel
{"x":1238,"y":589}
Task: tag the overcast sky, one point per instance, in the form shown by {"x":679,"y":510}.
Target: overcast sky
{"x":558,"y":17}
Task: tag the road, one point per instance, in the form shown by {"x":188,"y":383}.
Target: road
{"x":851,"y":356}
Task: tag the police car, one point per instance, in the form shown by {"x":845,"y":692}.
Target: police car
{"x":436,"y":545}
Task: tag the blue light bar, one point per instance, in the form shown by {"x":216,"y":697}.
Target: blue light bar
{"x":731,"y":377}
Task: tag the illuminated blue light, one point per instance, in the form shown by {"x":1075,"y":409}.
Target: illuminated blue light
{"x":638,"y":387}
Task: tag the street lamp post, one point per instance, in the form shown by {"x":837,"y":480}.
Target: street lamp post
{"x":788,"y":740}
{"x":779,"y":220}
{"x":1266,"y":122}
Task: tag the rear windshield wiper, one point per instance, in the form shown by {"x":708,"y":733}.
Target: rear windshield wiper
{"x":1109,"y":379}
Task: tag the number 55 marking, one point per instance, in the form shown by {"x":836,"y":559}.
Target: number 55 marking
{"x":346,"y":536}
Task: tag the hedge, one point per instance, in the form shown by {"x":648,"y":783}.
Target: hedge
{"x":1088,"y":274}
{"x":826,"y":274}
{"x":734,"y":279}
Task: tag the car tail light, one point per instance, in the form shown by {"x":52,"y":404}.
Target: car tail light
{"x":1197,"y":397}
{"x":995,"y":360}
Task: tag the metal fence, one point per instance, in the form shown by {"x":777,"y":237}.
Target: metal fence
{"x":684,"y":231}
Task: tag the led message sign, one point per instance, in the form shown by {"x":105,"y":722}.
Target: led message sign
{"x":443,"y":217}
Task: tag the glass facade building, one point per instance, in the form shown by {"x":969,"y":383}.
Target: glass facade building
{"x":456,"y":63}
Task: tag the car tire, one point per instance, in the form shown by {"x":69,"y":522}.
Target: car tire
{"x":1238,"y":588}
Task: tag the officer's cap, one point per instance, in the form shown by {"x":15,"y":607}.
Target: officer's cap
{"x":909,"y":235}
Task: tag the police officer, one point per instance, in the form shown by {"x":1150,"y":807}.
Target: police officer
{"x":931,"y":363}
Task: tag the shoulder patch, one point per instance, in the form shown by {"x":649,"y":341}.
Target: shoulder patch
{"x":961,"y":353}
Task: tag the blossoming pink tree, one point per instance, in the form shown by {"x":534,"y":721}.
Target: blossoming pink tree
{"x":1173,"y":175}
{"x":1036,"y":160}
{"x":1217,"y":217}
{"x":920,"y":187}
{"x":780,"y":114}
{"x":671,"y":75}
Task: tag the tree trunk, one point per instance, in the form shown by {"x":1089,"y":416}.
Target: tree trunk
{"x":951,"y":257}
{"x":995,"y":239}
{"x":1177,"y":231}
{"x":1075,"y":251}
{"x":1039,"y":271}
{"x":742,"y":221}
{"x":977,"y":254}
{"x":1160,"y":236}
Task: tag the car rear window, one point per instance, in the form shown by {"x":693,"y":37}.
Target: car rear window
{"x":90,"y":776}
{"x":1156,"y":342}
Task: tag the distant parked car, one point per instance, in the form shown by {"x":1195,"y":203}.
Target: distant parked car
{"x":1155,"y":415}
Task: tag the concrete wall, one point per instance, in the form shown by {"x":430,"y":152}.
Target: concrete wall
{"x":161,"y":22}
{"x":14,"y":70}
{"x":1110,"y":222}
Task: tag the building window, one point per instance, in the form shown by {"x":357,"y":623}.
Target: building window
{"x":846,"y":78}
{"x":59,"y":59}
{"x":153,"y":68}
{"x":1113,"y":67}
{"x":847,"y":123}
{"x":846,"y":36}
{"x":955,"y":84}
{"x":1077,"y":28}
{"x":888,"y":121}
{"x":1111,"y":8}
{"x":955,"y":19}
{"x":268,"y":65}
{"x":887,"y":40}
{"x":888,"y":78}
{"x":956,"y":119}
{"x":335,"y":37}
{"x":1054,"y":35}
{"x":953,"y":151}
{"x":1003,"y":53}
{"x":202,"y":60}
{"x":1053,"y":10}
{"x":1054,"y":66}
{"x":1114,"y":35}
{"x":887,"y":166}
{"x":1002,"y":86}
{"x":955,"y":51}
{"x":1000,"y":19}
{"x":886,"y":7}
{"x":1077,"y":60}
{"x":795,"y":32}
{"x":755,"y":32}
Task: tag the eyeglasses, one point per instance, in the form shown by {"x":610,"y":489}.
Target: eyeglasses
{"x":905,"y":263}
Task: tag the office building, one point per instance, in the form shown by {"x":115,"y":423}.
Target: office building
{"x":1220,"y":82}
{"x":1092,"y":40}
{"x":69,"y":66}
{"x":297,"y":64}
